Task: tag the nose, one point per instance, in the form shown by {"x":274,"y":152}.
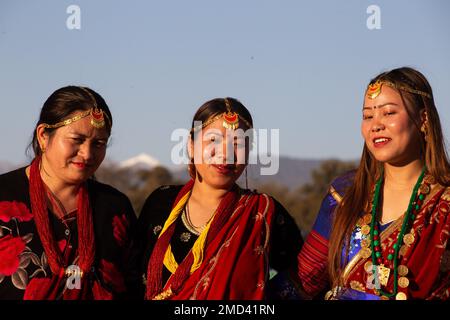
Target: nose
{"x":230,"y":154}
{"x":377,"y":124}
{"x":224,"y":152}
{"x":377,"y":128}
{"x":86,"y":151}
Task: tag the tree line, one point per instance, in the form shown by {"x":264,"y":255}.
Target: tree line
{"x":302,"y":202}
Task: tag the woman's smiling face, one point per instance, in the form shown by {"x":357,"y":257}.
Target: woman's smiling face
{"x":220,"y":154}
{"x":389,"y":132}
{"x":73,"y":152}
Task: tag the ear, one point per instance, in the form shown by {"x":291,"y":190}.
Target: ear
{"x":42,"y":137}
{"x":424,"y":117}
{"x":190,"y":148}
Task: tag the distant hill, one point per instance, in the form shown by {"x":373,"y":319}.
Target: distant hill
{"x":293,"y":172}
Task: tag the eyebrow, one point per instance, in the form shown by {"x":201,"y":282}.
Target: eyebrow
{"x":380,"y":106}
{"x":84,"y":136}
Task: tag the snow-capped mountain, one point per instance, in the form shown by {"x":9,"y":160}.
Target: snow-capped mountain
{"x":140,"y":162}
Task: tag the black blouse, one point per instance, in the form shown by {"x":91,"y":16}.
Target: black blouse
{"x":285,"y":242}
{"x":114,"y":221}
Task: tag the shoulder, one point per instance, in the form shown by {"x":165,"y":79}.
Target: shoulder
{"x":279,"y":208}
{"x":161,"y":198}
{"x":444,"y":198}
{"x":13,"y":183}
{"x":436,"y":204}
{"x":104,"y":193}
{"x":446,"y":194}
{"x":105,"y":189}
{"x":434,"y":191}
{"x":166,"y":193}
{"x":339,"y":185}
{"x":336,"y":191}
{"x":280,"y":213}
{"x":255,"y":193}
{"x":263,"y":201}
{"x":12,"y":176}
{"x":282,"y":217}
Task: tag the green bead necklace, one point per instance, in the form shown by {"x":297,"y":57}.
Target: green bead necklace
{"x":374,"y":234}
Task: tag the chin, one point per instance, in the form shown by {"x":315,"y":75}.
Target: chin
{"x":394,"y":161}
{"x":79,"y":178}
{"x":383,"y":159}
{"x":382,"y":156}
{"x":222,"y":183}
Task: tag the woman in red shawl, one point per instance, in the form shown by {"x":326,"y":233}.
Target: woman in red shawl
{"x":64,"y":235}
{"x":211,"y":239}
{"x":382,"y":231}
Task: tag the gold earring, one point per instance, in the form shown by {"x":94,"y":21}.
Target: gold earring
{"x":42,"y":149}
{"x":424,"y":130}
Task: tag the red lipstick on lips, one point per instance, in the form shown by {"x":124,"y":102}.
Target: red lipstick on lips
{"x":224,"y":169}
{"x":80,"y":165}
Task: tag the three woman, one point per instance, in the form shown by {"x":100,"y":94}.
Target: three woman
{"x":382,"y":231}
{"x":64,"y":235}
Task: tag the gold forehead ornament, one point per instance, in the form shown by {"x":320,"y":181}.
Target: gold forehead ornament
{"x":374,"y":89}
{"x":97,"y":119}
{"x":230,"y":119}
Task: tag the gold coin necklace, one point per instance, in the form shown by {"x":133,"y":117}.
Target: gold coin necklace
{"x":378,"y":267}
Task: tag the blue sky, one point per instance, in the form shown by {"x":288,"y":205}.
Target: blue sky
{"x":299,"y":66}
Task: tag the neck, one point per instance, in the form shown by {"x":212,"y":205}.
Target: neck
{"x":404,"y":177}
{"x":207,"y":194}
{"x":59,"y":188}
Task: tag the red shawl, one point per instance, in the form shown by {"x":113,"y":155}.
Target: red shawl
{"x":235,"y":262}
{"x":427,"y":258}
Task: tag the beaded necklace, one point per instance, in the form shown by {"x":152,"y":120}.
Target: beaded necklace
{"x":86,"y":238}
{"x":410,"y":214}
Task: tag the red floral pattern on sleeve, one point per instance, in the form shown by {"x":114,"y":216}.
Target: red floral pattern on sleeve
{"x":10,"y":249}
{"x":14,"y":209}
{"x":120,"y":230}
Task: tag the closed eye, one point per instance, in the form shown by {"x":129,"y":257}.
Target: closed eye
{"x":78,"y":140}
{"x":100,"y":144}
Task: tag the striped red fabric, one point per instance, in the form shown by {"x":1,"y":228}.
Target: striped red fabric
{"x":312,"y":261}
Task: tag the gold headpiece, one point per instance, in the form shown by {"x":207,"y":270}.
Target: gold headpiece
{"x":230,"y":119}
{"x":97,"y":119}
{"x":374,"y":89}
